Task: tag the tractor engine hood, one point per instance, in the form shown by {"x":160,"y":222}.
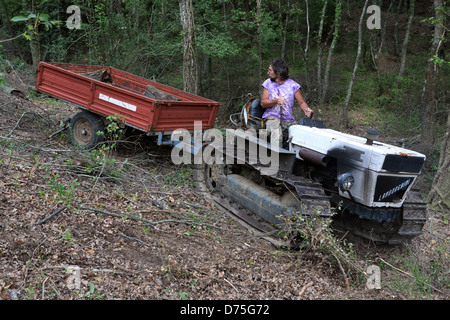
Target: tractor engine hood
{"x":382,"y":173}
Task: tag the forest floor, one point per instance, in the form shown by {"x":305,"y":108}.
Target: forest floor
{"x":128,"y":225}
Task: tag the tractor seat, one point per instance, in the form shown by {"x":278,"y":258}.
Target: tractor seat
{"x":254,"y":114}
{"x":255,"y":109}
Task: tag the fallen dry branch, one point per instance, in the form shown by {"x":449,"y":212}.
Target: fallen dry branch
{"x":54,"y":213}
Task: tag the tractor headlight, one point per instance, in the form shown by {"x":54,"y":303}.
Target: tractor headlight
{"x":345,"y":181}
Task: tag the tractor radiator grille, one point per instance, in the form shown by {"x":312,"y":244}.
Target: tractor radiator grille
{"x":391,"y":188}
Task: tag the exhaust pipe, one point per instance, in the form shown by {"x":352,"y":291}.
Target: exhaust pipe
{"x":315,"y":157}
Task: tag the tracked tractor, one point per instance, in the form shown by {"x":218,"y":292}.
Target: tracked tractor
{"x":365,"y":186}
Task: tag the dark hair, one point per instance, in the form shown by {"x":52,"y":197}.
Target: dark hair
{"x":280,"y":66}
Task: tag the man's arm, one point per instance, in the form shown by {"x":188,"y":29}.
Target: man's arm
{"x":302,"y":104}
{"x":267,"y":103}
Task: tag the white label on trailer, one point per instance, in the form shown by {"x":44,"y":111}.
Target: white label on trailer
{"x":119,"y":103}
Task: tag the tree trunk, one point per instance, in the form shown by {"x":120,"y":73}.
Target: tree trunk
{"x":305,"y":51}
{"x":405,"y":41}
{"x":205,"y":85}
{"x":355,"y":69}
{"x":383,"y":30}
{"x":337,"y":19}
{"x":320,"y":48}
{"x":429,"y":89}
{"x":190,"y":63}
{"x":396,"y":28}
{"x":284,"y":32}
{"x":308,"y":31}
{"x":259,"y":21}
{"x":348,"y":10}
{"x":439,"y":196}
{"x":35,"y":51}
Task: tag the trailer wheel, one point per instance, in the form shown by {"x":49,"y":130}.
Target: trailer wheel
{"x":84,"y":127}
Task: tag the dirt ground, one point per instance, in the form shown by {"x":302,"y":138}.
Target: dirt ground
{"x":127,"y":225}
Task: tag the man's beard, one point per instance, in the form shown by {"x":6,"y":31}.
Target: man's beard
{"x":273,"y":79}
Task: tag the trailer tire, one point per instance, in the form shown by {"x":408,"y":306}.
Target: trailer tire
{"x":84,"y":127}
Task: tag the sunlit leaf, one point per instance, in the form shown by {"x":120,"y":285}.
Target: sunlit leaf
{"x":19,"y":18}
{"x":44,"y":17}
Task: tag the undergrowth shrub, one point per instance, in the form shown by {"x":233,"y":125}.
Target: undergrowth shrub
{"x":315,"y":233}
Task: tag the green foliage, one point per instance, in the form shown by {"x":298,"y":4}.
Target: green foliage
{"x":421,"y":278}
{"x":438,"y":60}
{"x":60,"y":192}
{"x":68,"y":237}
{"x":444,"y":11}
{"x":178,"y":177}
{"x":217,"y":45}
{"x":2,"y":81}
{"x":114,"y":129}
{"x":387,"y":102}
{"x":100,"y":161}
{"x":316,"y":234}
{"x":145,"y":38}
{"x":91,"y":294}
{"x":132,"y":35}
{"x":33,"y":21}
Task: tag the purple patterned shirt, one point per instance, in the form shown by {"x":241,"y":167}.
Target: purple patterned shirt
{"x":286,"y":90}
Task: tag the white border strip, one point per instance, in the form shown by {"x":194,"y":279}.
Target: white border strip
{"x":119,"y":103}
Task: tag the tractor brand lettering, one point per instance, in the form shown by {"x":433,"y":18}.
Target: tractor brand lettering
{"x":394,"y":190}
{"x":119,"y":103}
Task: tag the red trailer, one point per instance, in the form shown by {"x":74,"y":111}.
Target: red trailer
{"x":151,"y":107}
